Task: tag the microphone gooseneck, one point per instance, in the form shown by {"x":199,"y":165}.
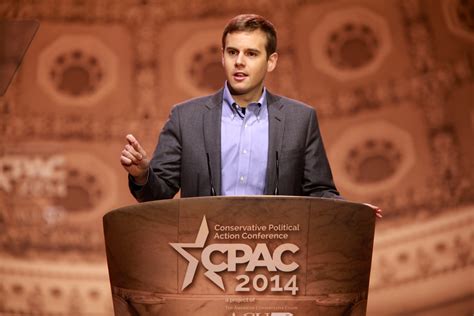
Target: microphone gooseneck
{"x":277,"y":161}
{"x":213,"y":191}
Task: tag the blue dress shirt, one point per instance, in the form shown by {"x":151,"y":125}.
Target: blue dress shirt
{"x":244,"y":146}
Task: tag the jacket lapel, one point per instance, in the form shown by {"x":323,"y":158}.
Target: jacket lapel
{"x":276,"y":122}
{"x":212,"y":137}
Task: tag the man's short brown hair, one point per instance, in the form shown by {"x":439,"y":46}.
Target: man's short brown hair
{"x":249,"y":23}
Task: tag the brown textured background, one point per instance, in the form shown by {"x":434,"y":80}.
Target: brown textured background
{"x":392,"y":82}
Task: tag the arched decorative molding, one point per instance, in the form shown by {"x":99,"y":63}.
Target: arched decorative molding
{"x":77,"y":70}
{"x":428,"y":254}
{"x":380,"y":145}
{"x":350,"y":43}
{"x":459,"y":16}
{"x":60,"y":288}
{"x":198,"y":63}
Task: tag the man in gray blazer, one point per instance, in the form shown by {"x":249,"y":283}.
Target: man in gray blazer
{"x":242,"y":140}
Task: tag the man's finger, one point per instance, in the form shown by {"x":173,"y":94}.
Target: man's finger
{"x":133,"y":152}
{"x":130,"y":138}
{"x":136,"y":145}
{"x":125,"y":161}
{"x":378,"y":210}
{"x":127,"y":154}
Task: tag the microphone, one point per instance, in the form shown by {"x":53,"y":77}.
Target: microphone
{"x":213,"y":191}
{"x":277,"y":173}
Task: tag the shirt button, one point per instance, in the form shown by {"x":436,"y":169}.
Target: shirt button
{"x":244,"y":151}
{"x":242,"y":179}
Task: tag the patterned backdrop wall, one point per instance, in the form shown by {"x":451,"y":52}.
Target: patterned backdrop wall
{"x":392,"y":82}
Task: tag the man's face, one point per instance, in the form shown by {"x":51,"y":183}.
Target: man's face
{"x":245,"y":63}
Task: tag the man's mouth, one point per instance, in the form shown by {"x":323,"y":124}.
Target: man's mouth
{"x":239,"y":76}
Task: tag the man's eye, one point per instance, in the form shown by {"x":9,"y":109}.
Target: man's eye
{"x":251,"y":54}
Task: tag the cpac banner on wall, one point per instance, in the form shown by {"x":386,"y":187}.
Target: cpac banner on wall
{"x":236,"y":256}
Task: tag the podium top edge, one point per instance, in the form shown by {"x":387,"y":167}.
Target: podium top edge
{"x":256,"y":198}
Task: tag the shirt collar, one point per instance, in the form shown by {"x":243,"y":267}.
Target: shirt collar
{"x":232,"y":106}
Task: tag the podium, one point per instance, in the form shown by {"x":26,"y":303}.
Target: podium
{"x":236,"y":256}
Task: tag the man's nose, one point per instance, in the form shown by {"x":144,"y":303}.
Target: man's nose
{"x":240,"y":60}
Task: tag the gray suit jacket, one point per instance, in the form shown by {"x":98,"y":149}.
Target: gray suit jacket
{"x":193,"y":130}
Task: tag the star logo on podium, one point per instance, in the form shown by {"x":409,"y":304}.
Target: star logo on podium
{"x":192,"y":261}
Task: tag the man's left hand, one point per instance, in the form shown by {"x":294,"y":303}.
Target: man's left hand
{"x":378,"y":210}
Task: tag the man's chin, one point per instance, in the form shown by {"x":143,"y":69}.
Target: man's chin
{"x":236,"y":90}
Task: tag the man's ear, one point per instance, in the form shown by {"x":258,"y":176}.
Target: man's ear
{"x":272,"y":62}
{"x":222,"y":56}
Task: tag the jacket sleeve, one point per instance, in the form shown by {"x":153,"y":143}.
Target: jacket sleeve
{"x":165,"y":166}
{"x":318,"y":179}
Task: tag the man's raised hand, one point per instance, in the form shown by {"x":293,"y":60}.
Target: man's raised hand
{"x":134,"y":160}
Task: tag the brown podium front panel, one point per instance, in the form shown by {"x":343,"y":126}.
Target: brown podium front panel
{"x":240,"y":256}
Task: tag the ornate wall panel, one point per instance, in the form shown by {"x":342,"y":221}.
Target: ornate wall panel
{"x":342,"y":32}
{"x":392,"y":82}
{"x":459,"y":17}
{"x":198,"y":70}
{"x":373,"y":158}
{"x":190,"y":60}
{"x":77,"y":70}
{"x":329,"y":34}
